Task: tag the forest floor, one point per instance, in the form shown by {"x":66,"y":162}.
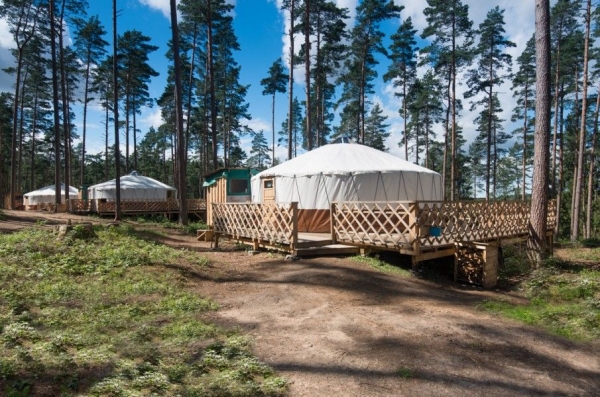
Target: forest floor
{"x":334,"y":326}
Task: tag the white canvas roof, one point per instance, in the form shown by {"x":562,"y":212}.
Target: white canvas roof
{"x":342,"y":159}
{"x":47,"y":194}
{"x":133,"y":187}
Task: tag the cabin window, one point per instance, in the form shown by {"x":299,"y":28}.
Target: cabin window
{"x":238,"y":186}
{"x":268,"y":184}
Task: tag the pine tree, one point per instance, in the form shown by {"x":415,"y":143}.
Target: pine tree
{"x":492,"y":63}
{"x":330,"y":35}
{"x":449,"y":51}
{"x":297,"y":130}
{"x":274,"y":83}
{"x":259,"y":153}
{"x":403,"y":69}
{"x":425,"y":110}
{"x":366,"y":40}
{"x":91,"y":47}
{"x":375,"y":129}
{"x":135,"y":73}
{"x":523,"y":83}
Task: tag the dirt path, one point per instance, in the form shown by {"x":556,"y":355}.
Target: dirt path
{"x":334,"y":327}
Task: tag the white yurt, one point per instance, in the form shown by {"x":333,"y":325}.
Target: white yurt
{"x":47,"y":194}
{"x":343,"y":172}
{"x":134,"y":187}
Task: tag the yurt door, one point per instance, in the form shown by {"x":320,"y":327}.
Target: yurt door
{"x":268,"y":191}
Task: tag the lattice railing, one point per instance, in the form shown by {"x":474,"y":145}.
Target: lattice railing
{"x":274,"y":223}
{"x":196,"y":205}
{"x":382,"y":224}
{"x":411,"y":226}
{"x":474,"y":220}
{"x":78,"y":205}
{"x":169,"y":205}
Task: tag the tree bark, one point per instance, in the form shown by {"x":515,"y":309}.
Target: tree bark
{"x":582,"y":129}
{"x":181,"y":167}
{"x":57,"y":190}
{"x":116,"y":118}
{"x":539,"y":193}
{"x":291,"y":83}
{"x":307,"y":72}
{"x":590,"y":192}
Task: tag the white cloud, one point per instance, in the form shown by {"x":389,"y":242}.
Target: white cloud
{"x":258,"y":124}
{"x":151,"y":117}
{"x":160,"y":5}
{"x":6,"y":38}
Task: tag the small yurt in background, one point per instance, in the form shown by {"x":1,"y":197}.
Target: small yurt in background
{"x":134,"y":187}
{"x":343,"y":172}
{"x":46,"y":195}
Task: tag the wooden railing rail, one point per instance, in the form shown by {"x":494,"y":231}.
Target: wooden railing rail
{"x":411,"y":227}
{"x":275,"y":223}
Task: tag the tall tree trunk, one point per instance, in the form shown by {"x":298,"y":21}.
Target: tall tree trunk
{"x":213,"y":101}
{"x":28,"y":15}
{"x":525,"y":127}
{"x":588,"y":220}
{"x":190,"y":92}
{"x":556,"y":97}
{"x":576,"y":109}
{"x":116,"y":118}
{"x":453,"y":135}
{"x":57,"y":181}
{"x":581,"y":154}
{"x":307,"y":73}
{"x":135,"y":164}
{"x":106,"y":121}
{"x":65,"y":102}
{"x":539,"y":192}
{"x":181,"y":167}
{"x":21,"y":128}
{"x":273,"y":128}
{"x":291,"y":84}
{"x":33,"y":129}
{"x":561,"y":170}
{"x":84,"y":127}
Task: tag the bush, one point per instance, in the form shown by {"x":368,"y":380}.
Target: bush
{"x":590,"y":243}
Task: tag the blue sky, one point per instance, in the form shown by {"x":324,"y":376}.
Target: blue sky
{"x":260,"y":27}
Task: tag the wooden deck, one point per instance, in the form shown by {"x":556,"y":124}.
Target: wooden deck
{"x":423,"y":230}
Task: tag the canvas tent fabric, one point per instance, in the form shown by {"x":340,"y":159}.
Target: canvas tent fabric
{"x":345,"y":172}
{"x":48,"y":194}
{"x":134,"y":187}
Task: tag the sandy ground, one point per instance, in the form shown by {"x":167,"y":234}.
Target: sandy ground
{"x":335,"y":327}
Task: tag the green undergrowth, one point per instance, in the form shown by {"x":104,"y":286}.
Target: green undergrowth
{"x":381,"y":265}
{"x":161,"y":221}
{"x":112,"y":316}
{"x":564,"y":298}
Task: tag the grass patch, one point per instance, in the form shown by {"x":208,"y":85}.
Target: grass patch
{"x":112,"y":316}
{"x":161,"y":221}
{"x":404,"y":373}
{"x":381,"y":265}
{"x":564,"y":298}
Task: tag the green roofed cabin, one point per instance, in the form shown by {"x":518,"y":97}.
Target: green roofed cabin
{"x":227,"y":185}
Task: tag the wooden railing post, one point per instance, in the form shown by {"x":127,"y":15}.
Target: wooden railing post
{"x":332,"y":222}
{"x":416,"y":228}
{"x":294,"y":242}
